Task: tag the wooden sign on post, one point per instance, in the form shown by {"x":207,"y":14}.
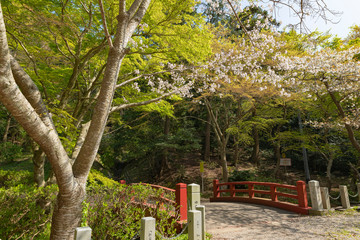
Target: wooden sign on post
{"x":285,"y":162}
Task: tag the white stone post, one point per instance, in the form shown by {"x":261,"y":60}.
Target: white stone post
{"x":147,"y":231}
{"x":83,"y":233}
{"x":325,"y":198}
{"x":193,"y":195}
{"x":194,"y":227}
{"x":315,"y":195}
{"x":345,"y":202}
{"x":201,"y":208}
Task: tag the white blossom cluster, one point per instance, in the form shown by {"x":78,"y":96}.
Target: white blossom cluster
{"x":323,"y":72}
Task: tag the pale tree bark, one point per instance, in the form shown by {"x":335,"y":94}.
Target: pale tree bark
{"x":20,"y":102}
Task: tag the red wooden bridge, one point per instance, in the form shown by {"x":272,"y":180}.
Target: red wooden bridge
{"x":254,"y":193}
{"x":180,"y":203}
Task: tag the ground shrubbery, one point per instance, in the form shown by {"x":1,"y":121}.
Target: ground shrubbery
{"x":112,"y":210}
{"x":25,"y":209}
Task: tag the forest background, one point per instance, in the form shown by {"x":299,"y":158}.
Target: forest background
{"x":197,"y":83}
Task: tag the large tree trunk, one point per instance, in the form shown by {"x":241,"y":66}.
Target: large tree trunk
{"x":67,"y":213}
{"x":22,"y":99}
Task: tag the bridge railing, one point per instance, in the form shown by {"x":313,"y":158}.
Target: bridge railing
{"x":180,"y":203}
{"x":273,"y":194}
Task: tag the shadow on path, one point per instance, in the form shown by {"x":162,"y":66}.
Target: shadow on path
{"x":227,"y":221}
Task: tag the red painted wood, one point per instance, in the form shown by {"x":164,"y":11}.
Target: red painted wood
{"x":216,"y":188}
{"x":274,"y":196}
{"x":301,"y":207}
{"x":181,"y":200}
{"x":301,"y":190}
{"x":251,"y":190}
{"x":232,"y":190}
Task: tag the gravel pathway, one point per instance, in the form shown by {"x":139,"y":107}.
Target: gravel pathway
{"x":228,"y":221}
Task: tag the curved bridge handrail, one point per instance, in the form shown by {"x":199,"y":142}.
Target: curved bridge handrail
{"x":300,"y":196}
{"x":180,"y":202}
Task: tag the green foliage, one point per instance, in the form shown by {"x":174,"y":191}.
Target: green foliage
{"x":115,"y":212}
{"x":9,"y":151}
{"x":25,"y":209}
{"x":96,"y":178}
{"x":241,"y":176}
{"x":9,"y":179}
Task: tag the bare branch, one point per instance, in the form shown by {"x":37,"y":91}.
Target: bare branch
{"x":145,"y":75}
{"x":108,"y":37}
{"x":128,"y":105}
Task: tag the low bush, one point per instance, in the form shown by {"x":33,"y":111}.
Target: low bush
{"x":112,"y":210}
{"x":26,"y":211}
{"x":116,"y":212}
{"x":9,"y":151}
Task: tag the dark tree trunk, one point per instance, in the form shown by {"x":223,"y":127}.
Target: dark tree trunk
{"x":223,"y":163}
{"x":165,"y":155}
{"x":277,"y":156}
{"x":207,"y":138}
{"x":236,"y":153}
{"x":7,"y":129}
{"x":256,"y":148}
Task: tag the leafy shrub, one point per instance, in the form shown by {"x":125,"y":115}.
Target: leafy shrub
{"x":115,"y":212}
{"x":26,"y":212}
{"x":241,"y":176}
{"x":112,"y":210}
{"x":14,"y":178}
{"x":96,"y":178}
{"x":9,"y":151}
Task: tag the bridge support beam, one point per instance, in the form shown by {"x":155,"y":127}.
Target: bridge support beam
{"x":181,"y":200}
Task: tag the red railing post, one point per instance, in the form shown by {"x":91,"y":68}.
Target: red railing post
{"x":274,"y":196}
{"x":232,"y":189}
{"x":251,"y":190}
{"x":122,"y":182}
{"x":181,"y":200}
{"x":216,"y":188}
{"x":302,"y":195}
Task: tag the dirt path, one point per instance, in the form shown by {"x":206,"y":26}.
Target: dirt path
{"x":228,"y":221}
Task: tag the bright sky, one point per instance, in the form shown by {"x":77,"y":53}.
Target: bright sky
{"x":350,"y":16}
